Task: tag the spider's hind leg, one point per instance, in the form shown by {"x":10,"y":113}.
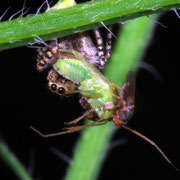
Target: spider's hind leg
{"x":104,"y":54}
{"x":100,"y":47}
{"x":109,"y":43}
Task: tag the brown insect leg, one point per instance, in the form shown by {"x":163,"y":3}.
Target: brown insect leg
{"x":152,"y":143}
{"x":67,"y":129}
{"x":78,"y":128}
{"x":116,"y":86}
{"x":79,"y":118}
{"x":52,"y":134}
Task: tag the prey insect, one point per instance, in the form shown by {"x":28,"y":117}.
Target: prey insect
{"x":101,"y":95}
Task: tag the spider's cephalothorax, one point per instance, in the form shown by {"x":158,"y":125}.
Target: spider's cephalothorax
{"x":64,"y":87}
{"x":80,"y":42}
{"x":60,"y":85}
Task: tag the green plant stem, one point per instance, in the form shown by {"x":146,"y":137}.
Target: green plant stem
{"x":93,"y":143}
{"x":85,"y":16}
{"x":13,"y":162}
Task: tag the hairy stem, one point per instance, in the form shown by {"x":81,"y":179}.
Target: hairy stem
{"x":85,"y":16}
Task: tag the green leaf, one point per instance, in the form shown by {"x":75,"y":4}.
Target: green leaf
{"x":85,"y":16}
{"x":13,"y":162}
{"x":93,"y":144}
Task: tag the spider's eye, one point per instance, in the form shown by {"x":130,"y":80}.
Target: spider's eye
{"x":61,"y":90}
{"x":53,"y":87}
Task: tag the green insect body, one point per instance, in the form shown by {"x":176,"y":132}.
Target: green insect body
{"x":92,"y":84}
{"x":73,"y":69}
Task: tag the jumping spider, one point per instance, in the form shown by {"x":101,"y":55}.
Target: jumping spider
{"x":80,"y":42}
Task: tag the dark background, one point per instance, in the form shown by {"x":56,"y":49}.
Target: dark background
{"x":25,"y":100}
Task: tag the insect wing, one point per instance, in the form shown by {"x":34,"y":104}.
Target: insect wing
{"x":128,"y":95}
{"x":102,"y":80}
{"x":131,"y":88}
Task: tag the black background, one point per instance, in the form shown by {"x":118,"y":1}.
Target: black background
{"x":25,"y":101}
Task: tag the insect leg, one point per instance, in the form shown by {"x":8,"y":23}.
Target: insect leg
{"x":78,"y":128}
{"x":111,"y":93}
{"x":79,"y":118}
{"x":152,"y":143}
{"x":116,"y":86}
{"x":102,"y":122}
{"x":67,"y":129}
{"x":52,"y":134}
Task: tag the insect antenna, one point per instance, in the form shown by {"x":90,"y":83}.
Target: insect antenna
{"x":152,"y":143}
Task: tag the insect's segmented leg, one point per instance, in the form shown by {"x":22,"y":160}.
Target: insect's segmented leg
{"x":152,"y":143}
{"x":108,"y":43}
{"x":79,"y":118}
{"x":67,"y":130}
{"x":100,"y":47}
{"x":78,"y":128}
{"x":102,"y":122}
{"x":116,"y":86}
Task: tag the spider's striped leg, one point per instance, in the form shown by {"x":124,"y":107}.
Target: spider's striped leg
{"x":109,"y":43}
{"x":100,"y":47}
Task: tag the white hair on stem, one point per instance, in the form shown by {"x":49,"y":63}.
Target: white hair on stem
{"x":109,"y":30}
{"x":39,"y":9}
{"x":23,"y":8}
{"x":15,"y":14}
{"x":36,"y":47}
{"x":176,"y":12}
{"x":157,"y":22}
{"x":48,"y":6}
{"x":20,"y":11}
{"x":5,"y":13}
{"x":37,"y":40}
